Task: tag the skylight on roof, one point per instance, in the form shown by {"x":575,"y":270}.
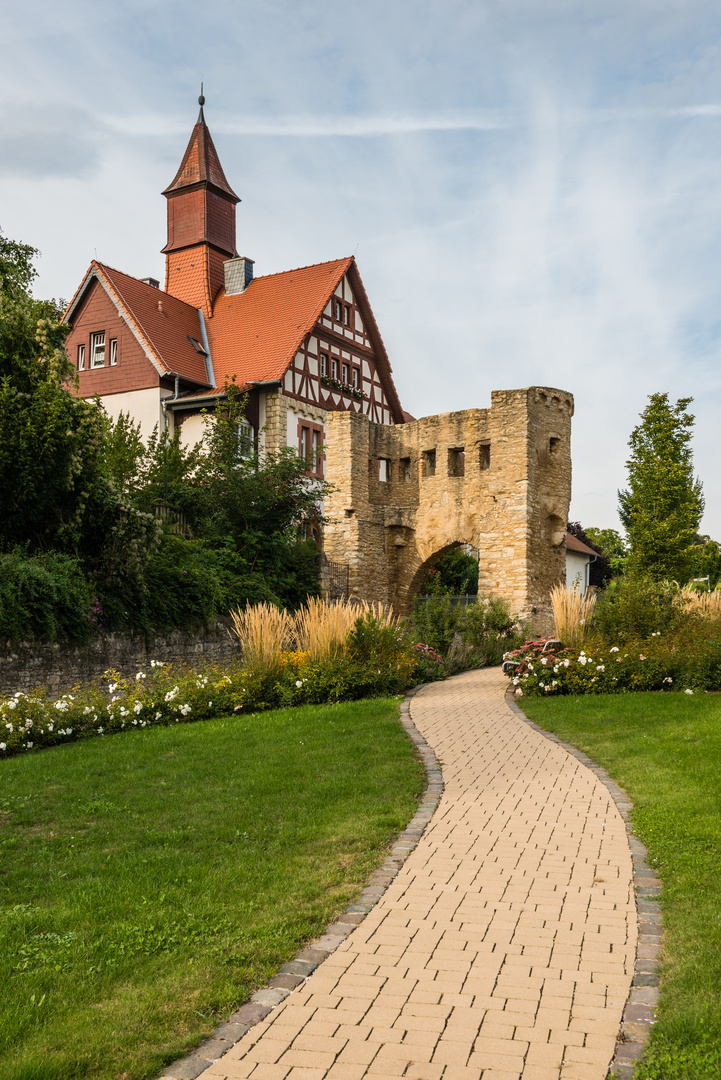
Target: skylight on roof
{"x":197,"y":345}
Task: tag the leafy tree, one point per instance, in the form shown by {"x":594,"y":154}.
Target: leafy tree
{"x":455,"y":573}
{"x":612,"y":547}
{"x":20,"y":314}
{"x":706,"y":560}
{"x":54,"y":489}
{"x":662,"y":506}
{"x":124,"y":453}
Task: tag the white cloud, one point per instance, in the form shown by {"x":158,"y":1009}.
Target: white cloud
{"x":533,"y":188}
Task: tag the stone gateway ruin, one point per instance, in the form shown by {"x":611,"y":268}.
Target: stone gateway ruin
{"x":498,"y":479}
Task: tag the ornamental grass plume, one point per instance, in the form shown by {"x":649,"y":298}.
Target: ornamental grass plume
{"x":572,"y":612}
{"x":321,"y":628}
{"x":263,"y":631}
{"x":706,"y":604}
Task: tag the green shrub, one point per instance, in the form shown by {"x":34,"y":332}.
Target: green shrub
{"x":44,"y":596}
{"x":490,"y":629}
{"x":636,"y":607}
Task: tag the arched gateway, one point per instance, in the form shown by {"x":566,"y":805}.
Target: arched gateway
{"x":498,"y":478}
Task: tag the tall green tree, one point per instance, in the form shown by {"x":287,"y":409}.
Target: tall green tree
{"x":662,"y":506}
{"x":55,"y":493}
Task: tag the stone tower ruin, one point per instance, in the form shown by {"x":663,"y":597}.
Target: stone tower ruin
{"x":498,"y":479}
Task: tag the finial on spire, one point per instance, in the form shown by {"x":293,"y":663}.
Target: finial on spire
{"x":201,"y":102}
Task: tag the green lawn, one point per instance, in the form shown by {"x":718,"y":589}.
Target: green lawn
{"x":665,"y":751}
{"x":150,"y":881}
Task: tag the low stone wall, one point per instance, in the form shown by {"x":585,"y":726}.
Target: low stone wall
{"x":58,"y":667}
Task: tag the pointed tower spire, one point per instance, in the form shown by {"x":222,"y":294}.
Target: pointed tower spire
{"x":201,"y":221}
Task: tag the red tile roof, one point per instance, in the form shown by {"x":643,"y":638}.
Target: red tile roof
{"x":574,"y":544}
{"x":162,"y":322}
{"x":254,"y":335}
{"x":200,"y":163}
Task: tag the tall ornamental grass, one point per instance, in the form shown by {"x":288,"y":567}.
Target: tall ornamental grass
{"x":572,"y":612}
{"x":264,"y":631}
{"x":321,"y":628}
{"x":706,"y":604}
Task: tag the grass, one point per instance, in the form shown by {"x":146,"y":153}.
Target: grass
{"x":665,"y":751}
{"x":572,"y":613}
{"x":150,"y":882}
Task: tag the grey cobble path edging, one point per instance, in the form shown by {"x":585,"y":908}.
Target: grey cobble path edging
{"x":640,"y":1010}
{"x":296,"y":971}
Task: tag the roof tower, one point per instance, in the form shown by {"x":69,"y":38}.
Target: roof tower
{"x":201,"y":221}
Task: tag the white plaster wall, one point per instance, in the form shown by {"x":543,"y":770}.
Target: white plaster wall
{"x":577,"y":569}
{"x":192,"y":430}
{"x":143,"y":405}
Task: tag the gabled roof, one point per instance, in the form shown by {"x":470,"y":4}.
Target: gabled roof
{"x":574,"y":544}
{"x":160,"y":323}
{"x":255,"y":334}
{"x":201,"y":164}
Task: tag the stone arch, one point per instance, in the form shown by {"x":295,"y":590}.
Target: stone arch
{"x":413,"y":586}
{"x":475,"y":477}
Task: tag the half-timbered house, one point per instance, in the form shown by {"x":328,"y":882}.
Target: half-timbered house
{"x":300,"y":343}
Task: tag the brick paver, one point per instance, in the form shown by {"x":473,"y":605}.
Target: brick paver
{"x":505,"y":946}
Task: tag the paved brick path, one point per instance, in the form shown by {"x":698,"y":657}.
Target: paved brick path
{"x":505,"y":946}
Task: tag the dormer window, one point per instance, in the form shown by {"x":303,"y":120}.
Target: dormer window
{"x":81,"y":357}
{"x":197,"y":345}
{"x":97,"y":349}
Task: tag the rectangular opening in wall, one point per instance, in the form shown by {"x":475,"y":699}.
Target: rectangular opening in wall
{"x":384,"y":470}
{"x":484,"y":455}
{"x":553,"y":445}
{"x":457,"y":461}
{"x":428,"y":463}
{"x":404,"y":468}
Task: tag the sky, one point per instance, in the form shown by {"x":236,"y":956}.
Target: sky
{"x":531,"y":188}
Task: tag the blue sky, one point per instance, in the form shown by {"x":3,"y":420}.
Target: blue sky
{"x":532,"y":189}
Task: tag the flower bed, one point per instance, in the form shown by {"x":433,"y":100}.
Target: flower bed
{"x":658,"y":662}
{"x":168,"y":694}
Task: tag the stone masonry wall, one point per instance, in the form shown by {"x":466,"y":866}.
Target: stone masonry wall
{"x":498,"y":478}
{"x":58,"y":667}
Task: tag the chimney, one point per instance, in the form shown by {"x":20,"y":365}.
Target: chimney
{"x":153,"y":282}
{"x":238,"y":275}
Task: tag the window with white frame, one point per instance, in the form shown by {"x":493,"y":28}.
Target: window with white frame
{"x":113,"y":351}
{"x":333,"y":367}
{"x":81,"y":357}
{"x":97,"y":349}
{"x":346,"y":373}
{"x":246,"y":438}
{"x":356,"y":377}
{"x":324,"y":364}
